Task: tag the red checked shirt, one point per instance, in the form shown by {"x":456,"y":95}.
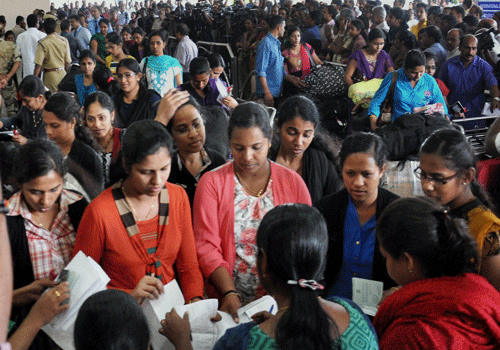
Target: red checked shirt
{"x":50,"y":251}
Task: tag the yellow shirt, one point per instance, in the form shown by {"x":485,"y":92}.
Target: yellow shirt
{"x":416,"y":28}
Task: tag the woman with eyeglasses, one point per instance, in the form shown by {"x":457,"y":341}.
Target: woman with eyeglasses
{"x":448,"y":174}
{"x":133,"y":101}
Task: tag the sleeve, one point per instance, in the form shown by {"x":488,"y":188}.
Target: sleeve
{"x":91,"y":234}
{"x":141,"y":65}
{"x":80,"y":46}
{"x":413,"y":335}
{"x":489,"y":77}
{"x":187,"y":267}
{"x":180,"y":55}
{"x":235,"y":338}
{"x":444,"y":73}
{"x":437,"y":95}
{"x":206,"y":226}
{"x":67,"y":57}
{"x":40,"y":55}
{"x":262,"y":60}
{"x":87,"y":36}
{"x":380,"y":95}
{"x":17,"y":55}
{"x":333,"y":181}
{"x":388,"y":62}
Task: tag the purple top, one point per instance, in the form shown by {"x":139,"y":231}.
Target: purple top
{"x":379,"y":71}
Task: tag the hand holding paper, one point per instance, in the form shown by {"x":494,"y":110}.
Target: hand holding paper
{"x":177,"y":330}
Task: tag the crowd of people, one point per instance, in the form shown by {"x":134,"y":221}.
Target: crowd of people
{"x":124,"y":141}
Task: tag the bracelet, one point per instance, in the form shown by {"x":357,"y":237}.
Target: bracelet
{"x":231,"y":292}
{"x":4,"y":209}
{"x":496,"y":98}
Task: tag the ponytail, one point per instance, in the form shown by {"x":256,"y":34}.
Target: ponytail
{"x":479,"y":192}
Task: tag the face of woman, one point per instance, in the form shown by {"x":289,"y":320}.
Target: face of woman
{"x":188,"y":130}
{"x":361,"y":176}
{"x":414,"y":74}
{"x":216,"y":72}
{"x":113,"y":49}
{"x":138,"y":38}
{"x":103,"y":27}
{"x":149,"y":176}
{"x":249,"y":147}
{"x":295,"y":38}
{"x":354,"y":31}
{"x":32,"y":103}
{"x":157,"y":45}
{"x":58,"y":130}
{"x":396,"y":268}
{"x":126,"y":36}
{"x":248,"y":25}
{"x":41,"y":193}
{"x":296,"y":135}
{"x":127,"y":79}
{"x":376,"y":45}
{"x":99,"y":120}
{"x":87,"y":65}
{"x":448,"y":194}
{"x":430,"y":67}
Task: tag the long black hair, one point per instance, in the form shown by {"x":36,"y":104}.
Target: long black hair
{"x":32,"y":86}
{"x":248,"y":115}
{"x":452,"y":146}
{"x":294,"y":239}
{"x":301,"y":107}
{"x":423,"y":229}
{"x":66,"y":108}
{"x":105,"y":81}
{"x":364,"y":142}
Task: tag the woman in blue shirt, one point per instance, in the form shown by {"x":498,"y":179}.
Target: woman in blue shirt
{"x":414,"y":88}
{"x":84,"y":82}
{"x":351,"y":215}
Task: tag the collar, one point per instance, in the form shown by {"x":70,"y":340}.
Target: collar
{"x":272,"y":37}
{"x":205,"y":159}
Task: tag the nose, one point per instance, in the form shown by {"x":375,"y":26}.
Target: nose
{"x":299,"y":140}
{"x":427,"y":186}
{"x":156,"y":179}
{"x":44,"y":199}
{"x":247,"y":154}
{"x":192,"y":132}
{"x":358,"y":180}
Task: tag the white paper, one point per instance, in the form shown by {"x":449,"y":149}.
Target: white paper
{"x":367,"y":294}
{"x":155,"y":311}
{"x":487,"y":110}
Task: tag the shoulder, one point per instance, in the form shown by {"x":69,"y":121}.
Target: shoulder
{"x":215,"y":156}
{"x":386,"y":196}
{"x":332,"y":202}
{"x":235,"y":338}
{"x":102,"y":201}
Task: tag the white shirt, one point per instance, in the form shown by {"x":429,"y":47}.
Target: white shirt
{"x":453,"y":53}
{"x":383,"y":26}
{"x":27,"y":43}
{"x":186,"y":51}
{"x":322,"y":32}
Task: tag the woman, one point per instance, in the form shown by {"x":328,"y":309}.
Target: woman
{"x":298,"y":63}
{"x":62,"y":125}
{"x":191,"y":159}
{"x":303,"y":146}
{"x":141,"y":46}
{"x":105,"y":81}
{"x":28,"y":119}
{"x":42,"y":222}
{"x":98,"y":42}
{"x":370,"y":62}
{"x":356,"y":31}
{"x":133,"y":101}
{"x":162,"y":71}
{"x":448,"y":174}
{"x":139,"y":230}
{"x":292,"y":243}
{"x":99,"y":116}
{"x":414,"y":88}
{"x":231,"y":201}
{"x":351,"y":215}
{"x":443,"y":304}
{"x":430,"y":68}
{"x":404,"y":42}
{"x":128,"y":40}
{"x":84,"y":82}
{"x":117,"y":52}
{"x":217,"y":66}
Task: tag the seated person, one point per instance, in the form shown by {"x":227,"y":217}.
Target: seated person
{"x":413,"y":88}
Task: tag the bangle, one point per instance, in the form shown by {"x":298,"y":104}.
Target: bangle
{"x":191,"y":301}
{"x":496,"y":98}
{"x":231,"y":292}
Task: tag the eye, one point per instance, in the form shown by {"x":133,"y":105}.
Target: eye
{"x":257,"y":147}
{"x":366,"y":174}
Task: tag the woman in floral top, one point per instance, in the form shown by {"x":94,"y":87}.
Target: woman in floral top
{"x":230,"y":202}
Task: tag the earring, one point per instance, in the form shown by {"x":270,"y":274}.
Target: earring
{"x":465,"y":183}
{"x":410,"y":271}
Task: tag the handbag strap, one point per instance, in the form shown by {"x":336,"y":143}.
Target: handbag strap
{"x":311,"y":61}
{"x":390,"y":94}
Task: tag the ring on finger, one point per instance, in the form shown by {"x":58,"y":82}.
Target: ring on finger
{"x":57,"y":293}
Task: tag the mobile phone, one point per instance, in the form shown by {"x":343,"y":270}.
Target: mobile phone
{"x":63,"y":277}
{"x":457,"y":107}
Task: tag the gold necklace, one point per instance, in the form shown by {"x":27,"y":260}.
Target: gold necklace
{"x":250,"y":191}
{"x":111,"y":139}
{"x":136,"y":217}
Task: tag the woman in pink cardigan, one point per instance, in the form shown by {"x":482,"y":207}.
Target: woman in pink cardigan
{"x":230,"y":202}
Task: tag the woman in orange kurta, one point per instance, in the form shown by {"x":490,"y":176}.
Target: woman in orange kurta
{"x":140,"y":227}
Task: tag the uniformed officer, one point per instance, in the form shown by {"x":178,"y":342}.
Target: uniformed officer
{"x":10,"y":62}
{"x":52,"y":55}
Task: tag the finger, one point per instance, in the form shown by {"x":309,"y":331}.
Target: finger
{"x":186,"y":316}
{"x":216,"y":318}
{"x":235,"y":317}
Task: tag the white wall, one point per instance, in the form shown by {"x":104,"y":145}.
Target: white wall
{"x":13,"y":8}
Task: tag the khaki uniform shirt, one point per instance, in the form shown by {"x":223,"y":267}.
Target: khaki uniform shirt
{"x":53,"y":52}
{"x":8,"y":55}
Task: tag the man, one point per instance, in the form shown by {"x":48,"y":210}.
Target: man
{"x":476,"y":11}
{"x":9,"y":64}
{"x":378,"y":19}
{"x":27,"y":43}
{"x":20,"y":27}
{"x":396,"y":22}
{"x":432,"y":13}
{"x":452,"y":42}
{"x":329,"y":14}
{"x":429,"y":41}
{"x":312,"y":35}
{"x":344,"y":39}
{"x":53,"y":56}
{"x":186,"y":49}
{"x":458,"y":12}
{"x":467,"y":4}
{"x":93,"y":25}
{"x":75,"y":46}
{"x":124,"y":16}
{"x":399,"y":3}
{"x":467,"y":76}
{"x":79,"y":32}
{"x":446,"y":23}
{"x":269,"y":62}
{"x":422,"y":18}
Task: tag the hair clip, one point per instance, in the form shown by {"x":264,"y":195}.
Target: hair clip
{"x":312,"y":284}
{"x":4,"y":209}
{"x":110,"y":79}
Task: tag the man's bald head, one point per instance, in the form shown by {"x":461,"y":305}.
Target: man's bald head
{"x":453,"y":39}
{"x":488,"y":23}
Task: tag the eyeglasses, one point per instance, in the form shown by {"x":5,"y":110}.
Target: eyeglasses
{"x":421,"y":175}
{"x":430,"y":67}
{"x":124,"y":75}
{"x":186,"y":129}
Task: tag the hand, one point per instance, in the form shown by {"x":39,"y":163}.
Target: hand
{"x":269,"y":99}
{"x":20,"y":139}
{"x":262,"y":316}
{"x":3,"y":82}
{"x":388,"y":292}
{"x":49,"y":305}
{"x":229,"y":102}
{"x":176,"y":329}
{"x":298,"y":82}
{"x":31,"y":292}
{"x":231,"y":304}
{"x":494,"y":105}
{"x":172,"y":100}
{"x":148,"y":287}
